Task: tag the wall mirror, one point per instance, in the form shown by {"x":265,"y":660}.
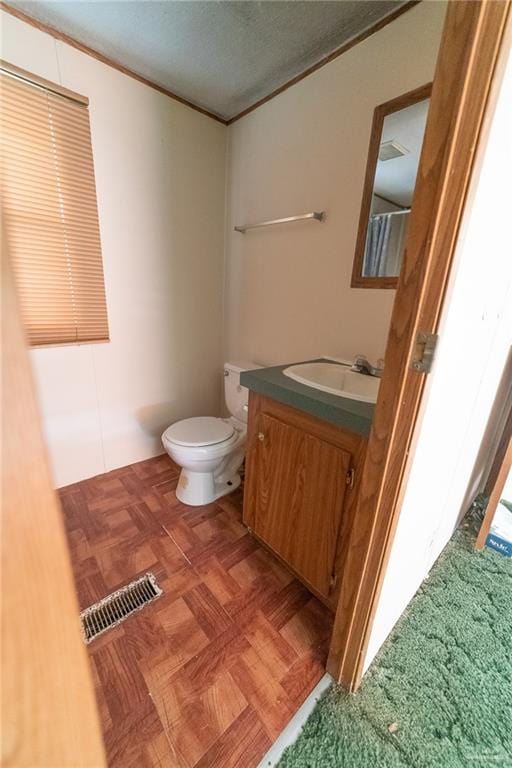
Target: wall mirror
{"x":393,"y":158}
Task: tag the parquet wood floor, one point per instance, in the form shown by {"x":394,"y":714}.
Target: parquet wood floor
{"x":209,"y":674}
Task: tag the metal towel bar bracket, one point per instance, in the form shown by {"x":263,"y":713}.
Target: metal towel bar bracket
{"x":315,"y":215}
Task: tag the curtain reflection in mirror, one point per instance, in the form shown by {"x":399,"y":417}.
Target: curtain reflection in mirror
{"x":385,"y":241}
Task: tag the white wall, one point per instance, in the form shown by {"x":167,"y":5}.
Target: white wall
{"x":160,"y":186}
{"x":288,"y":288}
{"x":475,"y":340}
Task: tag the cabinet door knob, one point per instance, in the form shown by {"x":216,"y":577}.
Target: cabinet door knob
{"x":261,"y":436}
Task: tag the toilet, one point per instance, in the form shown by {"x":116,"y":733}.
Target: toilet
{"x":210,"y":450}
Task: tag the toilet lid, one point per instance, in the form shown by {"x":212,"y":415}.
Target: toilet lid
{"x":201,"y":430}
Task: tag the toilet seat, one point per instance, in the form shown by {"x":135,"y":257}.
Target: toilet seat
{"x":199,"y":432}
{"x":204,"y":452}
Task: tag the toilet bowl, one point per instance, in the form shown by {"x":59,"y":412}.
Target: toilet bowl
{"x":210,"y":450}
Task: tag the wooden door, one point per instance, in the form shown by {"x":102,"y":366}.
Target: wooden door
{"x":472,"y":57}
{"x":496,"y":489}
{"x":49,"y":715}
{"x":301,"y":482}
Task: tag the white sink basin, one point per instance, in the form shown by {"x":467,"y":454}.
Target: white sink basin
{"x":336,"y":379}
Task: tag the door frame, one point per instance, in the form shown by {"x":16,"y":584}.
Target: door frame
{"x":471,"y":60}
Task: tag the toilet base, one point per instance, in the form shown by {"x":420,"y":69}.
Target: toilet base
{"x":198,"y":488}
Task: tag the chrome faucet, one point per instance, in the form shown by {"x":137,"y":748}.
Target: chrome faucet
{"x":362,"y":365}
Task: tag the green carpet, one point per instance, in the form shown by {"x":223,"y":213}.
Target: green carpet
{"x":444,"y":677}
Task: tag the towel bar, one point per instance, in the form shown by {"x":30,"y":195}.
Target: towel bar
{"x":315,"y":215}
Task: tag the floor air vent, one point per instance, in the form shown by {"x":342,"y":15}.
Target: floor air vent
{"x":116,"y":607}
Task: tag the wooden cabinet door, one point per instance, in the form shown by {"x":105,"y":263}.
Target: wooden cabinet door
{"x":300,"y":487}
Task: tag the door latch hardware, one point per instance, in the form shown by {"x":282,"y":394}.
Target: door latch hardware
{"x":424,"y":351}
{"x":261,"y":436}
{"x":350,"y":477}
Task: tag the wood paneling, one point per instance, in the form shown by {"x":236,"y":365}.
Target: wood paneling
{"x":501,"y":450}
{"x":301,"y":487}
{"x":211,"y":672}
{"x":323,"y":430}
{"x":297,"y":500}
{"x":469,"y":54}
{"x":379,"y":115}
{"x":495,"y":495}
{"x":49,"y":717}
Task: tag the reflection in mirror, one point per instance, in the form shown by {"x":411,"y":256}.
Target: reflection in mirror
{"x":395,"y":147}
{"x":393,"y":187}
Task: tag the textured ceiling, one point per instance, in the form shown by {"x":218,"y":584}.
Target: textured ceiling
{"x":220,"y":55}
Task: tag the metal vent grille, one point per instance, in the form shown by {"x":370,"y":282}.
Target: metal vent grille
{"x":388,"y":150}
{"x":118,"y":606}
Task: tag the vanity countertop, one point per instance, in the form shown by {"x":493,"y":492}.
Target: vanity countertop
{"x":352,"y":415}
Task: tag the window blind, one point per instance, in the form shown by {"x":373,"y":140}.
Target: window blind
{"x":50,"y":213}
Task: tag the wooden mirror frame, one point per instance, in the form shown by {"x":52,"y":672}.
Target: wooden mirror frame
{"x":379,"y":115}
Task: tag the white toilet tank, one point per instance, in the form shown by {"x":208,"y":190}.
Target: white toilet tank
{"x":235,"y":395}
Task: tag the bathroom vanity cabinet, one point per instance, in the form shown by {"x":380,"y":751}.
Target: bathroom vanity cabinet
{"x":300,"y":490}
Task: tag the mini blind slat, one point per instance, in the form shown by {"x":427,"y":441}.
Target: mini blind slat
{"x":88,"y":291}
{"x":34,"y":254}
{"x":40,"y":163}
{"x":56,"y":265}
{"x":42,"y":233}
{"x":24,"y":144}
{"x":20,"y":206}
{"x":30,"y":114}
{"x":27,"y":134}
{"x":21,"y":203}
{"x":50,"y":213}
